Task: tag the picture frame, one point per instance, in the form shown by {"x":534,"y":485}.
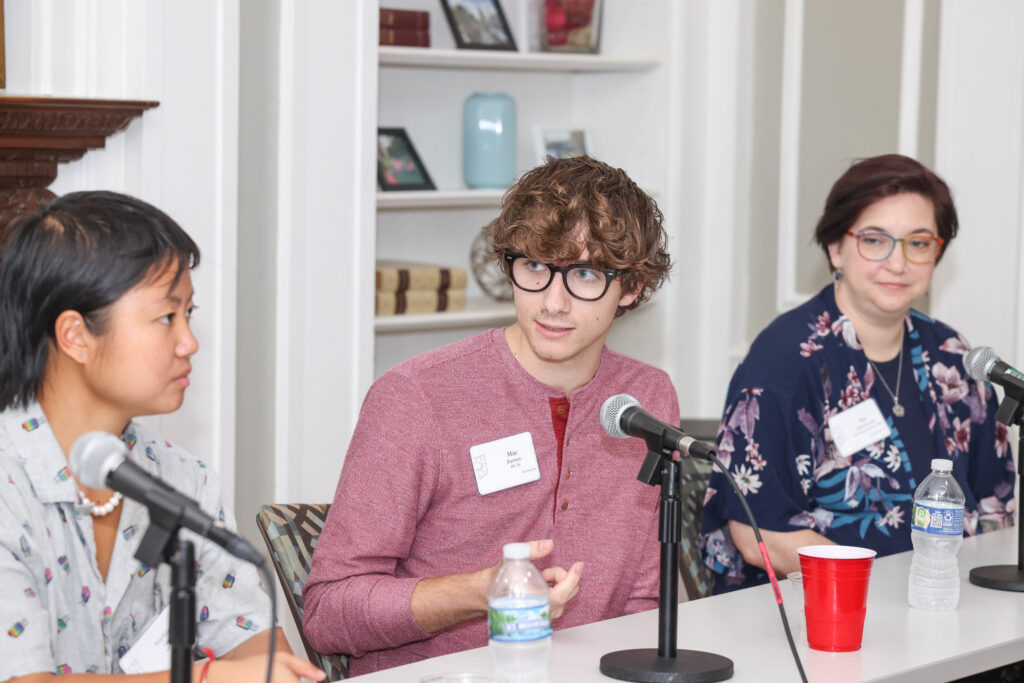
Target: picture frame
{"x":478,"y":24}
{"x":399,"y":167}
{"x":570,"y":25}
{"x":561,"y":142}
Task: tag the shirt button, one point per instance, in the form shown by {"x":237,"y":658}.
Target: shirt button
{"x":567,"y":473}
{"x":565,"y":505}
{"x":561,"y":409}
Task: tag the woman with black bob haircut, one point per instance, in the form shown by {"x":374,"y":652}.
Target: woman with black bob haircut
{"x":95,"y":307}
{"x":885,"y":226}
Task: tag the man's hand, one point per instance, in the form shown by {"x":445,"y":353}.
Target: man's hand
{"x":563,"y":584}
{"x":443,"y":601}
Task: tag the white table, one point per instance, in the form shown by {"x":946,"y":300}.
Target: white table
{"x":900,"y":644}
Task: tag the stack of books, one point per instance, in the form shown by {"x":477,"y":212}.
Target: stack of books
{"x":409,"y":287}
{"x":404,"y":27}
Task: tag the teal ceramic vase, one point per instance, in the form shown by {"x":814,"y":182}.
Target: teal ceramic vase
{"x":489,"y":140}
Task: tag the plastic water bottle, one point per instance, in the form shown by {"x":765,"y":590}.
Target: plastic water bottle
{"x":519,"y":617}
{"x":937,"y":530}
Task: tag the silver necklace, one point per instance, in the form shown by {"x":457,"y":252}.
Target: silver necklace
{"x":106,"y":508}
{"x":897,"y":409}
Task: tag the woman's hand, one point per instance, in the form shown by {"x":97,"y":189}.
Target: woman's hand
{"x":287,"y":669}
{"x":781,"y":546}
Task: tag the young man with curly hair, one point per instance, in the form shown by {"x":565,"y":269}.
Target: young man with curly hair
{"x":497,"y":438}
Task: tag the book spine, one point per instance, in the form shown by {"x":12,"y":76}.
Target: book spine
{"x":435,"y":279}
{"x":420,"y":301}
{"x":404,"y":36}
{"x":404,"y":18}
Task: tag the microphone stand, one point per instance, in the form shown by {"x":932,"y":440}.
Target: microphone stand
{"x":159,"y":544}
{"x":666,"y":664}
{"x":1008,"y":577}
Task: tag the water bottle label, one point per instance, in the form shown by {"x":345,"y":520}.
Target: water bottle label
{"x":938,"y":520}
{"x":518,"y":624}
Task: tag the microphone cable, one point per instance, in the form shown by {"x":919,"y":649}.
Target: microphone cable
{"x":767,"y":562}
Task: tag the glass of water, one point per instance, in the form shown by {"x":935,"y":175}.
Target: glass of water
{"x":794,"y":600}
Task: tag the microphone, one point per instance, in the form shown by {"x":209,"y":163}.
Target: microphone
{"x":99,"y":461}
{"x":982,"y":363}
{"x":622,"y":417}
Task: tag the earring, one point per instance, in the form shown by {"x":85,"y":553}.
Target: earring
{"x":837,"y":275}
{"x":81,"y":355}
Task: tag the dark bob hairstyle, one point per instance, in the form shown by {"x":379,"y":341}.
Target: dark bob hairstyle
{"x":876,"y":178}
{"x":81,"y":252}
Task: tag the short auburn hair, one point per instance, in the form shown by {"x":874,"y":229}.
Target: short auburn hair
{"x":548,"y":211}
{"x":875,"y":178}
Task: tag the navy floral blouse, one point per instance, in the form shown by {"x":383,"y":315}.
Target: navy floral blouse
{"x":808,"y":366}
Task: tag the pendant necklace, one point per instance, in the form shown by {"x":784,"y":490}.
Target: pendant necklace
{"x":897,"y":409}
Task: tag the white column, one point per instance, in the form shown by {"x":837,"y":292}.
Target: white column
{"x":326,"y":219}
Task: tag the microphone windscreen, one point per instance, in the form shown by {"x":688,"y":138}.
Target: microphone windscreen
{"x":612,"y":410}
{"x":978,"y":361}
{"x":94,"y":455}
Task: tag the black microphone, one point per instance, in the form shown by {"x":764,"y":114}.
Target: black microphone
{"x":622,"y":417}
{"x":982,"y":363}
{"x":99,"y":461}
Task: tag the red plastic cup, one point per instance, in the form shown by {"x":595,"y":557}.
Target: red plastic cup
{"x":835,"y":594}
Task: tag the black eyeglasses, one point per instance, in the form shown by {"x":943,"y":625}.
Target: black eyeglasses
{"x":582,"y":280}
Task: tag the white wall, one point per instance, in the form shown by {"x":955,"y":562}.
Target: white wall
{"x":308,"y":170}
{"x":181,"y":156}
{"x":979,"y":152}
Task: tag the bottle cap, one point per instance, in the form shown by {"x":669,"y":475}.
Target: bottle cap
{"x":942,"y":464}
{"x":516,"y":551}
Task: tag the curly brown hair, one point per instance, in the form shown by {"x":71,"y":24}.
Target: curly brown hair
{"x":554,"y":207}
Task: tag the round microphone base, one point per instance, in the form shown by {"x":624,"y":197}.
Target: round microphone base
{"x":688,"y":666}
{"x":1003,"y":577}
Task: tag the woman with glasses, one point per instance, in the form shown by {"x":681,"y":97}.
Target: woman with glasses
{"x":833,"y":418}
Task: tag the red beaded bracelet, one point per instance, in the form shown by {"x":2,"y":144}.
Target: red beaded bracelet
{"x":206,"y":667}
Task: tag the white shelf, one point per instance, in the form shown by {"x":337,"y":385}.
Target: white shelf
{"x":438,"y":199}
{"x":431,"y":58}
{"x":478,"y":313}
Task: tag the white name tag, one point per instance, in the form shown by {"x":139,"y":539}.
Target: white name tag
{"x":152,"y":651}
{"x":504,"y":463}
{"x":858,"y":427}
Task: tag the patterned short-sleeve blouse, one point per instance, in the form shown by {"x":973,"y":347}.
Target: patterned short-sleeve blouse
{"x":56,"y":613}
{"x":808,"y":366}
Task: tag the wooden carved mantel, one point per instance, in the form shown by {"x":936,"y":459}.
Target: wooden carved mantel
{"x":37,"y":133}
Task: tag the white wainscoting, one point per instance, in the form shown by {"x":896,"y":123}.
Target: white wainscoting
{"x":181,"y":156}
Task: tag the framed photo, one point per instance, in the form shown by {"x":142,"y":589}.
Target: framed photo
{"x":478,"y":24}
{"x":570,"y":25}
{"x":398,"y":165}
{"x":561,"y":143}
